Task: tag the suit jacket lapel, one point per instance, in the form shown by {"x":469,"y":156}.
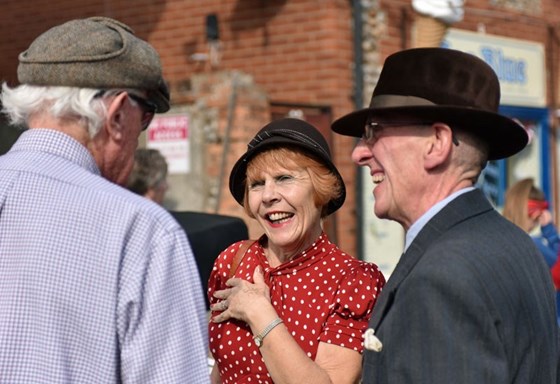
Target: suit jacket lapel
{"x":464,"y":206}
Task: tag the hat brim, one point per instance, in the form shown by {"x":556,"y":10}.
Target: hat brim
{"x":160,"y":100}
{"x":504,"y":136}
{"x":160,"y":97}
{"x":238,"y":173}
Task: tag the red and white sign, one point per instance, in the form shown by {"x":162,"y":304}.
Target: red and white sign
{"x":170,"y":135}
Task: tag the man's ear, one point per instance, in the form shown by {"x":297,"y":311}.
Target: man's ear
{"x":439,"y":146}
{"x":116,"y":116}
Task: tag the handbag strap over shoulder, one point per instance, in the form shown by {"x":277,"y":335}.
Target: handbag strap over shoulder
{"x":239,"y":256}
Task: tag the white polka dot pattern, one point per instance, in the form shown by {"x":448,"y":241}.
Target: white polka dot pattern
{"x":323,"y":295}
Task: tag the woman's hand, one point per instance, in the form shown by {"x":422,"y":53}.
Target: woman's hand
{"x":215,"y":375}
{"x":243,"y":299}
{"x":545,"y":218}
{"x":285,"y":360}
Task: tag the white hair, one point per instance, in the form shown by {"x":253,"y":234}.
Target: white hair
{"x":80,"y":104}
{"x":472,"y":152}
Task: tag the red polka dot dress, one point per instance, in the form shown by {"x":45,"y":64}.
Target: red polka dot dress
{"x":322,"y":294}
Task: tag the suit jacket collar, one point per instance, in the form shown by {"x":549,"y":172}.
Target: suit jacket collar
{"x":463,"y":207}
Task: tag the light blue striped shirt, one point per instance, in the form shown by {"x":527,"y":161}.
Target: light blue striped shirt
{"x":97,"y":285}
{"x":415,"y":228}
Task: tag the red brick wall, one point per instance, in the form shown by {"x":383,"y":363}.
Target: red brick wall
{"x":299,"y":51}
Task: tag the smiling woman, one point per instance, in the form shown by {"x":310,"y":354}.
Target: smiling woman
{"x":326,"y":185}
{"x":297,"y":306}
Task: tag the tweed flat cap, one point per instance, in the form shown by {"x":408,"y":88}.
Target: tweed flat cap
{"x":97,"y":52}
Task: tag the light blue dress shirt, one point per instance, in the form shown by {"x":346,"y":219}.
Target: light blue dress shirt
{"x":415,"y":228}
{"x":97,"y":285}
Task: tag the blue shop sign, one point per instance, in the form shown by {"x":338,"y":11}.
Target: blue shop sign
{"x":519,"y":64}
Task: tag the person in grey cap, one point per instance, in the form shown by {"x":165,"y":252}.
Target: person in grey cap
{"x":471,"y":299}
{"x":97,"y":284}
{"x":149,"y":175}
{"x":290,"y":307}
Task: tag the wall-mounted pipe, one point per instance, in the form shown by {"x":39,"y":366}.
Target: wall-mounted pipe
{"x":357,"y":11}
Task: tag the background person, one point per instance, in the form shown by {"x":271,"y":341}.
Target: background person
{"x":555,"y":271}
{"x":149,"y":175}
{"x":525,"y":205}
{"x":470,"y":300}
{"x":296,"y":310}
{"x":98,"y":285}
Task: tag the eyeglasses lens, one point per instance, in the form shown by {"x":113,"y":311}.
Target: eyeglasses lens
{"x":148,"y":108}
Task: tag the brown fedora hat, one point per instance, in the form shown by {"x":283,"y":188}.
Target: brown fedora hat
{"x":441,"y":85}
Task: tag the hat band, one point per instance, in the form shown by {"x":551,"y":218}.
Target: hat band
{"x":388,"y":101}
{"x":290,"y":134}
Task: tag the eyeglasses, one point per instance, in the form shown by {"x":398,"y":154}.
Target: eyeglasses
{"x":373,"y":129}
{"x":149,"y":109}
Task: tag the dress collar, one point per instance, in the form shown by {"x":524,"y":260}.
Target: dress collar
{"x":317,"y":251}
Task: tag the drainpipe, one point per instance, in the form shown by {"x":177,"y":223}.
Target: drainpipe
{"x":230,"y":116}
{"x":552,"y":46}
{"x":357,"y":12}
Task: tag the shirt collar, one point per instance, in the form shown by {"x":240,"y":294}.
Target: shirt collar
{"x":415,"y":228}
{"x":57,"y":144}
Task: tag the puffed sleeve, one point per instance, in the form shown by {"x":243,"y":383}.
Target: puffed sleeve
{"x":352,"y":306}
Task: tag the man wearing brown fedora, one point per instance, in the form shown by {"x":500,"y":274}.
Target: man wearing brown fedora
{"x":470,"y":300}
{"x":97,"y":284}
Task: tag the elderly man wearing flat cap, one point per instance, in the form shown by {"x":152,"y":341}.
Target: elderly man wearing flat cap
{"x":470,"y":300}
{"x":97,"y":284}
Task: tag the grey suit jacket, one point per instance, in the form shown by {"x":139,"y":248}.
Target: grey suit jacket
{"x":471,"y":301}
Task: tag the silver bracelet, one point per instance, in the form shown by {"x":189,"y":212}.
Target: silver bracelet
{"x":259,"y":338}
